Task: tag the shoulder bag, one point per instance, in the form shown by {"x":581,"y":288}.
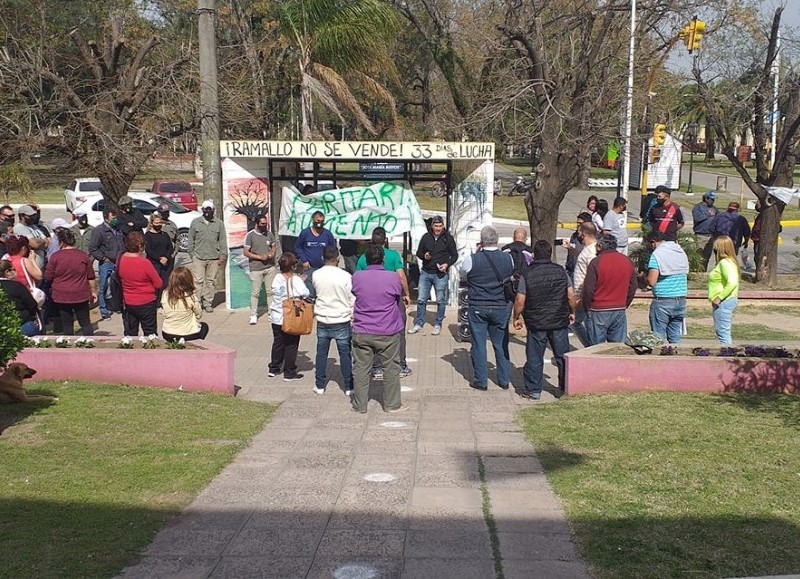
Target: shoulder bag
{"x":298,"y":314}
{"x":37,"y":293}
{"x":509,"y":284}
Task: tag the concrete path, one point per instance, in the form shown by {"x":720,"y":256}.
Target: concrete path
{"x":324,"y":492}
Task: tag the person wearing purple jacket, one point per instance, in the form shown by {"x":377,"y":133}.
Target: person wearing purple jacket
{"x":377,"y":326}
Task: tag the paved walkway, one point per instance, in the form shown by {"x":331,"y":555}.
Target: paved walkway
{"x":324,"y":492}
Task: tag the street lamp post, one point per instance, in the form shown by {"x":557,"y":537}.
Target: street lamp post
{"x":692,"y":134}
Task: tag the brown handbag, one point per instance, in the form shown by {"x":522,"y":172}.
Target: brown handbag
{"x":298,"y":314}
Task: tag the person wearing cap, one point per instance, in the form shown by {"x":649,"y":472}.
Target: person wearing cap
{"x":56,"y":225}
{"x":106,"y":245}
{"x":130,"y":219}
{"x":36,"y":238}
{"x":208,"y":248}
{"x":82,"y":230}
{"x":703,"y":215}
{"x":169,"y":227}
{"x":7,"y":214}
{"x":732,"y":224}
{"x":437,"y":250}
{"x":666,"y":216}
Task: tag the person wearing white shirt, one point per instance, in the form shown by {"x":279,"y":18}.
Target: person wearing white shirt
{"x":587,"y":234}
{"x":333,"y":310}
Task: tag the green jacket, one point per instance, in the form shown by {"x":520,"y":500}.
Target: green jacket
{"x":207,"y":239}
{"x":723,"y":281}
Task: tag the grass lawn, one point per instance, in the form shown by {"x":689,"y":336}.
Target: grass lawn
{"x":676,"y":485}
{"x":89,"y":480}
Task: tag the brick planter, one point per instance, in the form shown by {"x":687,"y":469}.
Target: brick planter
{"x":615,"y":368}
{"x":203,"y":366}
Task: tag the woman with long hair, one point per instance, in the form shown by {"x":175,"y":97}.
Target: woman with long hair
{"x":73,"y":286}
{"x":182,"y":312}
{"x":284,"y":346}
{"x":723,"y":287}
{"x":140,"y":284}
{"x":19,"y":254}
{"x":21,"y":297}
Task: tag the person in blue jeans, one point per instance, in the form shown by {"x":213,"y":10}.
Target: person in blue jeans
{"x":106,"y":245}
{"x":546,"y":302}
{"x":333,"y":311}
{"x":608,"y":290}
{"x":488,"y":309}
{"x":437,"y":250}
{"x":667,"y":272}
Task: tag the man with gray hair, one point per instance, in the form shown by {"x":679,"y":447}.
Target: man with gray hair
{"x":489,"y":310}
{"x":608,"y":290}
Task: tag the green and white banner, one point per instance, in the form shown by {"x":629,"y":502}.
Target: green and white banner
{"x":353,"y":213}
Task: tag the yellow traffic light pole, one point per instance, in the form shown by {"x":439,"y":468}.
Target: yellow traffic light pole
{"x":692,"y":36}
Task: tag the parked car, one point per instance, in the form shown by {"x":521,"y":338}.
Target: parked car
{"x":146,"y":203}
{"x":179,"y":191}
{"x":78,"y":191}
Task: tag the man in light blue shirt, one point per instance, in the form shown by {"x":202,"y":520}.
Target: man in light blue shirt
{"x":667,"y":273}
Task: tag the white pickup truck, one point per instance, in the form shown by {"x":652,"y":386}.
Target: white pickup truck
{"x":77,"y":191}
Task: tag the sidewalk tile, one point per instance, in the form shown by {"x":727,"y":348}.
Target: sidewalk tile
{"x":274,"y":542}
{"x":448,"y":543}
{"x":438,"y":567}
{"x":258,"y":567}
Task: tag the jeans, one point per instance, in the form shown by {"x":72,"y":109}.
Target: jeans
{"x":284,"y":352}
{"x":705,"y":243}
{"x":491,"y":323}
{"x":30,"y":329}
{"x":607,"y":326}
{"x":103,"y":271}
{"x":69,"y":312}
{"x":723,"y":318}
{"x":666,"y":318}
{"x":579,"y":327}
{"x":342,"y":334}
{"x":257,"y":279}
{"x":439,"y":283}
{"x":367,"y":347}
{"x":535,"y":347}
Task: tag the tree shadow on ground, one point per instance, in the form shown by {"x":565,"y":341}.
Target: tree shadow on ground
{"x":783,"y":406}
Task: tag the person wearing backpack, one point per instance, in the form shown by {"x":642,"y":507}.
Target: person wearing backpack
{"x":521,"y":253}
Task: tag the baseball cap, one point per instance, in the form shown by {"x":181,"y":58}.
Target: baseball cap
{"x":207,"y":204}
{"x":80,"y":211}
{"x":125,"y":200}
{"x":26,"y":210}
{"x":711,"y":195}
{"x":733,"y":206}
{"x":162,"y":207}
{"x":437,"y":219}
{"x":58,"y":222}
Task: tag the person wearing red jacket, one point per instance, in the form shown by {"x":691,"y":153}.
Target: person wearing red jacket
{"x":140,"y":285}
{"x":608,"y":290}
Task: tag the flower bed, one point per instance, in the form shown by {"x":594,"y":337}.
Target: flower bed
{"x":197,"y":366}
{"x":693,"y":366}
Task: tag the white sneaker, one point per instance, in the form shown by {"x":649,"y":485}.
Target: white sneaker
{"x":319,"y":390}
{"x":349,"y":392}
{"x":253,"y":320}
{"x":436,"y":330}
{"x":415,"y":329}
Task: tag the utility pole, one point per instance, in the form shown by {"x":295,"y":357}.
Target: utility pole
{"x":209,"y":106}
{"x":625,"y":157}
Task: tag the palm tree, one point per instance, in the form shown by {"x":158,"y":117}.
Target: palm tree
{"x":334,"y":40}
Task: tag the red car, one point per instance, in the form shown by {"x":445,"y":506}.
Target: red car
{"x":178,"y":191}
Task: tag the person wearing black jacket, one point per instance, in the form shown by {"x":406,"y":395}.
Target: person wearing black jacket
{"x":437,"y":250}
{"x":130,"y":219}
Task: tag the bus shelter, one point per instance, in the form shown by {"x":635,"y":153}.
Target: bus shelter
{"x":359,"y":184}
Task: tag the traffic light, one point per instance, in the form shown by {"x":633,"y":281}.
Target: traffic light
{"x":697,"y":35}
{"x":659,"y":134}
{"x":686,"y":34}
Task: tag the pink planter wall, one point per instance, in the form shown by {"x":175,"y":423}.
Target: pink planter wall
{"x":590,"y":371}
{"x":208,"y":367}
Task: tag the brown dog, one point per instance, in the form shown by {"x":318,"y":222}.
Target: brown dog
{"x":12,"y":389}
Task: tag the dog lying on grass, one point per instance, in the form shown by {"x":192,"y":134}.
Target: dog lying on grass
{"x":11,"y":388}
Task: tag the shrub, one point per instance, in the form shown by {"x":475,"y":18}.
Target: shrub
{"x":11,"y":338}
{"x":640,"y":253}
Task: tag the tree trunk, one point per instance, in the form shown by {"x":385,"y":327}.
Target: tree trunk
{"x":584,"y":172}
{"x":542,"y":205}
{"x":767,"y":257}
{"x":711,"y":143}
